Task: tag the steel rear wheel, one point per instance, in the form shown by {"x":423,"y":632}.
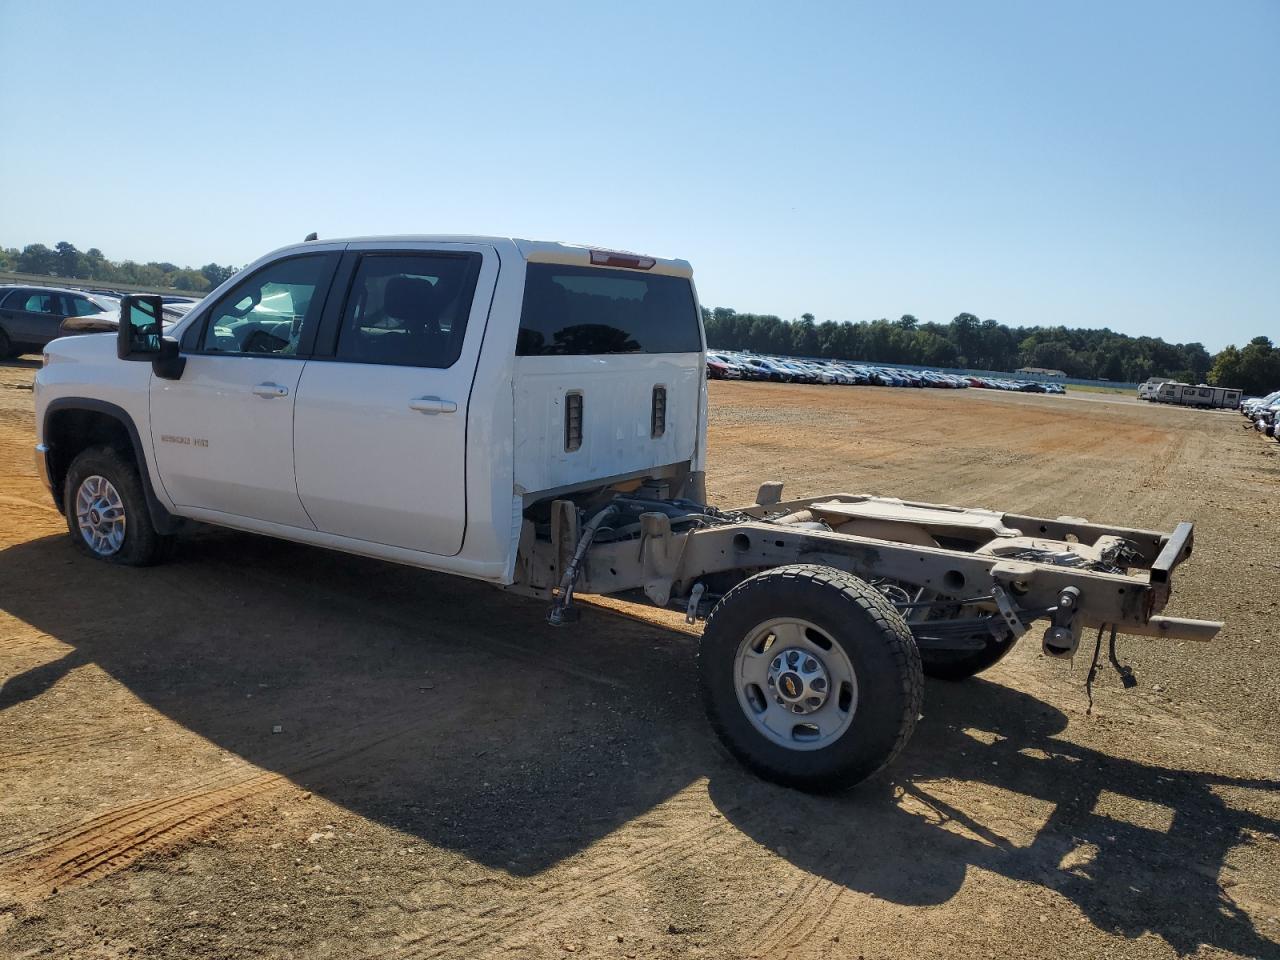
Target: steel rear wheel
{"x":810,"y":677}
{"x":795,"y":684}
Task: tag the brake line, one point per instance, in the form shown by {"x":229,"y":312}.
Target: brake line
{"x":564,"y":595}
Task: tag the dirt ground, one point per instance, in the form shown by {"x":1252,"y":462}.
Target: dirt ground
{"x":452,"y":778}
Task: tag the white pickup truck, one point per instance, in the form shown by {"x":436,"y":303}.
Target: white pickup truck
{"x":534,"y":414}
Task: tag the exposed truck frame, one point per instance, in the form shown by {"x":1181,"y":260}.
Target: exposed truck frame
{"x":965,"y":583}
{"x":668,"y":564}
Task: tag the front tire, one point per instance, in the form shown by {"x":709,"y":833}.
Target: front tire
{"x":106,"y":510}
{"x":810,"y":677}
{"x":6,"y":345}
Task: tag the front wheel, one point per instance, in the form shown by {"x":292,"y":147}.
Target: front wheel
{"x":810,"y":677}
{"x":106,"y":509}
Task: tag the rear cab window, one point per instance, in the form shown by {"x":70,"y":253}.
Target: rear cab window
{"x":575,"y":311}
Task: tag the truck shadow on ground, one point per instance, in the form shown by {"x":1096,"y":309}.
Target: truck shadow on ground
{"x":986,"y":782}
{"x":450,"y":711}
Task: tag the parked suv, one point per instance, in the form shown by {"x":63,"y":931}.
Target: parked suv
{"x":31,"y":316}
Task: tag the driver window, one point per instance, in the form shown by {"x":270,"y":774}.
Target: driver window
{"x":268,"y":312}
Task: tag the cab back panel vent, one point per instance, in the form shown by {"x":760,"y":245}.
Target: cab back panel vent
{"x":658,"y":413}
{"x":572,"y":421}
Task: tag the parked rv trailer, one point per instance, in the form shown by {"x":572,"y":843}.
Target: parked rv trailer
{"x":1226,"y":397}
{"x":1200,"y":395}
{"x":1147,"y":390}
{"x":1187,"y":395}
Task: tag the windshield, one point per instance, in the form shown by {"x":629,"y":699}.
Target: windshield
{"x":572,"y":310}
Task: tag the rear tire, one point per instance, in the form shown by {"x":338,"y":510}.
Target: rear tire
{"x":810,"y":677}
{"x":963,"y":664}
{"x":6,"y":345}
{"x":106,"y":510}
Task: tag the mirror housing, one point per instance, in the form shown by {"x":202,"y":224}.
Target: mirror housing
{"x":141,"y":327}
{"x":140,"y":336}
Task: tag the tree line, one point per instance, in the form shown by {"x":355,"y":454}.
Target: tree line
{"x":970,"y":343}
{"x":966,"y":342}
{"x":65,"y":261}
{"x":1254,"y":368}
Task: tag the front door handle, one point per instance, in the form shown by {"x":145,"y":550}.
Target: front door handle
{"x":270,"y":390}
{"x":432,"y":405}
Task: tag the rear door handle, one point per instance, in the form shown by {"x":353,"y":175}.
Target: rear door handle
{"x":270,"y":390}
{"x":432,"y":405}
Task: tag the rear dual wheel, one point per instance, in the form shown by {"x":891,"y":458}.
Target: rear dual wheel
{"x":810,"y":677}
{"x":963,"y":664}
{"x":950,"y":656}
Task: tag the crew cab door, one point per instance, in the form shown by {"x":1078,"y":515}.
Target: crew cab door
{"x":380,"y":427}
{"x":223,"y":432}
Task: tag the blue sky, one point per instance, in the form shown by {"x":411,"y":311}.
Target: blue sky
{"x":1091,"y":164}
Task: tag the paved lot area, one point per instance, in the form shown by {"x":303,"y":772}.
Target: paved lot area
{"x":455,"y":779}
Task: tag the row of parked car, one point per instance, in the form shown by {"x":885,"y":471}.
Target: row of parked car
{"x":1263,"y":412}
{"x":727,"y":365}
{"x":31,"y":316}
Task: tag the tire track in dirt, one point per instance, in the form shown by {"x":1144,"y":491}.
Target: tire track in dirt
{"x":615,"y":865}
{"x":41,"y":642}
{"x":57,"y":745}
{"x":114,"y":840}
{"x":808,"y":911}
{"x":111,"y":841}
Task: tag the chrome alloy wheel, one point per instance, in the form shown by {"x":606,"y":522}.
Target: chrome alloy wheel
{"x":100,"y":515}
{"x":795,"y":684}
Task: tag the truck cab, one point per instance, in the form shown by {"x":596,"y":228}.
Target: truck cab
{"x":401,"y":397}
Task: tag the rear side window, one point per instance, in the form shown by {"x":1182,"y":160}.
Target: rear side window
{"x":572,"y":310}
{"x":37,"y":303}
{"x":409,"y":309}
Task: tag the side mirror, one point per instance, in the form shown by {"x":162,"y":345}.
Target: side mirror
{"x":141,"y":336}
{"x":141,"y":328}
